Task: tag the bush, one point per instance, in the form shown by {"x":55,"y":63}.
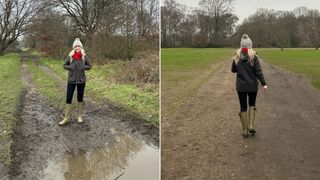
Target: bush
{"x":199,"y":41}
{"x":117,"y":47}
{"x":143,"y":69}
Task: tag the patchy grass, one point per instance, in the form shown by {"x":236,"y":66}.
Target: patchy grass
{"x":47,"y":86}
{"x":141,"y":100}
{"x":184,"y":71}
{"x":10,"y":90}
{"x":303,"y":61}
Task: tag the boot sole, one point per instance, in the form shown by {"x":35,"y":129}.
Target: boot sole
{"x":80,"y":121}
{"x":252,"y":132}
{"x":64,"y":124}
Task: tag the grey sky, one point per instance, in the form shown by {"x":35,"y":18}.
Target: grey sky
{"x":244,"y":8}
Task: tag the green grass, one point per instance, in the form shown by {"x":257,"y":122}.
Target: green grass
{"x":302,"y":61}
{"x":184,"y":70}
{"x":47,"y":86}
{"x":143,"y":101}
{"x":56,"y":66}
{"x":192,"y":57}
{"x":10,"y":91}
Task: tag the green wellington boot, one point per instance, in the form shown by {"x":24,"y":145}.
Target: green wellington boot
{"x":80,"y":112}
{"x":67,"y":115}
{"x":244,"y":121}
{"x":252,"y":113}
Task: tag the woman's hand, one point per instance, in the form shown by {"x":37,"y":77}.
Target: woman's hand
{"x":265,"y":87}
{"x":83,"y":52}
{"x":67,"y":65}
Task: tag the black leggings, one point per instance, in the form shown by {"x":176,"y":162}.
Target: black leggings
{"x":243,"y":100}
{"x":70,"y":91}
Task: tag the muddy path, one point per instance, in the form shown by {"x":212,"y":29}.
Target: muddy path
{"x":105,"y":146}
{"x":203,"y":139}
{"x":131,"y":121}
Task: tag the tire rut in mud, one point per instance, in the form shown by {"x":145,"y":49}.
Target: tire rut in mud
{"x":35,"y":132}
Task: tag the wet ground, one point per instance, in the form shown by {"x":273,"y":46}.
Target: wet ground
{"x":203,"y":140}
{"x":106,"y":146}
{"x":126,"y":159}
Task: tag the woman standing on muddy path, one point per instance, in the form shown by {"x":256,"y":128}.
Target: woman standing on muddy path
{"x":247,"y":66}
{"x":76,"y":63}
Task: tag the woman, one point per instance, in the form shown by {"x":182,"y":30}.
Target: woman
{"x":76,"y":63}
{"x":247,"y":66}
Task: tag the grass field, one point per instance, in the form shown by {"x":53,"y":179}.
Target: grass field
{"x":302,"y":61}
{"x":10,"y":90}
{"x":141,"y":100}
{"x":184,"y":70}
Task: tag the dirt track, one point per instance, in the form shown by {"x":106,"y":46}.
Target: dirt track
{"x":203,"y":140}
{"x":106,"y":139}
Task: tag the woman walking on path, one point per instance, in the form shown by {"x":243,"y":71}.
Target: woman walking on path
{"x":76,"y":63}
{"x":247,"y":66}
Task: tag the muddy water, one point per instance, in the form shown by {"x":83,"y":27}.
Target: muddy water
{"x":126,"y":158}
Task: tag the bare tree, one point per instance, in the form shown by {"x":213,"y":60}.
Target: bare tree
{"x":164,"y":28}
{"x":171,"y":16}
{"x":86,"y":14}
{"x":146,"y":16}
{"x":50,"y":33}
{"x":300,"y":11}
{"x":205,"y":26}
{"x":187,"y":30}
{"x":260,"y":27}
{"x":216,"y":9}
{"x":285,"y":28}
{"x":153,"y":16}
{"x":309,"y":29}
{"x":14,"y":18}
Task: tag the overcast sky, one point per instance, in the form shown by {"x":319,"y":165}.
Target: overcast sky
{"x":244,"y":8}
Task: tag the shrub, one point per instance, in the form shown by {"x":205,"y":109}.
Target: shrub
{"x":140,"y":70}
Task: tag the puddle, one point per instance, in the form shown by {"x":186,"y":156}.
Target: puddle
{"x":125,"y":159}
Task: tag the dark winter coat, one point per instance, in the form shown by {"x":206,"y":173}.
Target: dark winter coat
{"x":77,"y":69}
{"x":248,"y":74}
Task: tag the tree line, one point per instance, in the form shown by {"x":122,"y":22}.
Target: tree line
{"x":214,"y":24}
{"x":116,"y":29}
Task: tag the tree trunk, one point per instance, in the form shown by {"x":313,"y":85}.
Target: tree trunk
{"x":2,"y":51}
{"x":89,"y":38}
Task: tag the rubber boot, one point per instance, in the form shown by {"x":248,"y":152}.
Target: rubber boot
{"x":252,"y":113}
{"x":80,"y":112}
{"x":67,"y":115}
{"x":244,"y":121}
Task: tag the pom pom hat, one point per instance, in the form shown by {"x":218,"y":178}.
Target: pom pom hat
{"x":77,"y":42}
{"x":245,"y":42}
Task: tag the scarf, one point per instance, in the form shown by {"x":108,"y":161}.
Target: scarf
{"x":77,"y":55}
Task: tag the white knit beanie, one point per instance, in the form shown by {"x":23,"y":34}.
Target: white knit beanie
{"x":77,"y":42}
{"x":245,"y":42}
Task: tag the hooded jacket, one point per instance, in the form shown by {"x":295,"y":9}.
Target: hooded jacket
{"x":248,"y":74}
{"x":77,"y":69}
